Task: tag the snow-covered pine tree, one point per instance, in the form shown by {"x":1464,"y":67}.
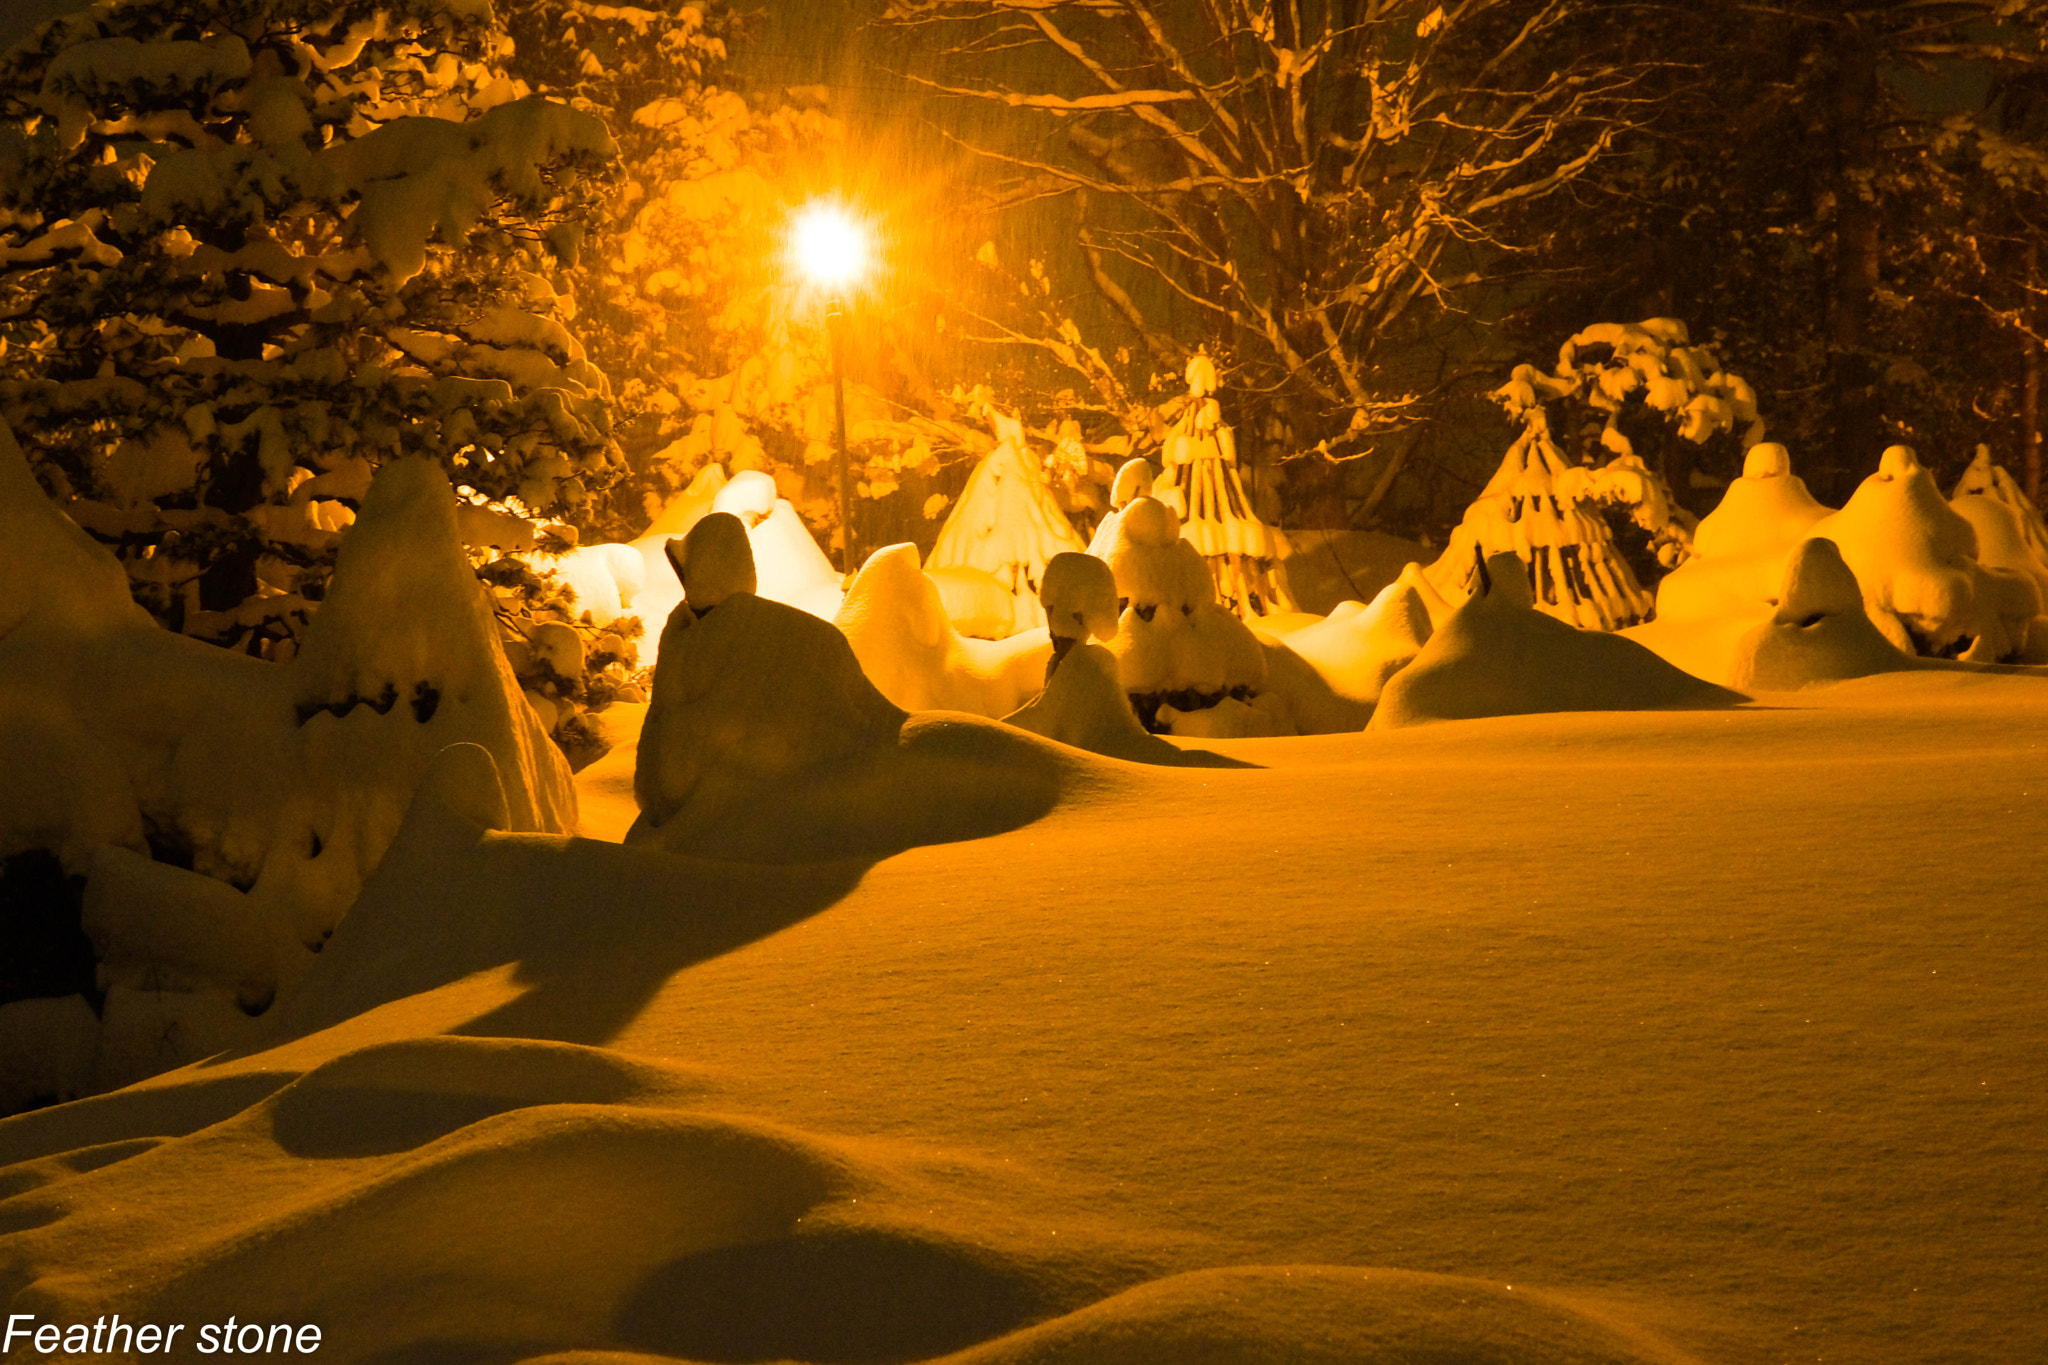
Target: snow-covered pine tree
{"x":250,"y":249}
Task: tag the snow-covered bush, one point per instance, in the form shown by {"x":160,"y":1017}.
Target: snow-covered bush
{"x":1243,"y":553}
{"x":250,"y":250}
{"x":1575,"y":476}
{"x":1176,"y":645}
{"x":1008,"y":523}
{"x":1565,"y":546}
{"x":1645,"y":403}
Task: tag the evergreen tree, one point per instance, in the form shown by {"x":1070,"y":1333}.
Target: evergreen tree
{"x":251,"y":249}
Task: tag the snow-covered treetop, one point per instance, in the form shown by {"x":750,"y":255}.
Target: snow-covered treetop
{"x":250,"y":250}
{"x":1612,"y":367}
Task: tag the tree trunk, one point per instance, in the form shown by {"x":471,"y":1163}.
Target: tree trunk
{"x":2030,"y":419}
{"x":1853,"y":386}
{"x":2030,"y":392}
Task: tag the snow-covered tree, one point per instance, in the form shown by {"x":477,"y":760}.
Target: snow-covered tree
{"x":1851,"y":192}
{"x":1300,"y":187}
{"x":251,"y":249}
{"x":1634,"y":408}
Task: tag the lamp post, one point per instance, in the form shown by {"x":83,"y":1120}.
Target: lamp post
{"x":835,"y":329}
{"x":830,"y":248}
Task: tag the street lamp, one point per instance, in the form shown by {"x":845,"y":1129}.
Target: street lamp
{"x":830,"y":248}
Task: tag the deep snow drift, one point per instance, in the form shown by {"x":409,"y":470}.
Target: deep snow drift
{"x":1693,"y":1034}
{"x":1653,"y":1037}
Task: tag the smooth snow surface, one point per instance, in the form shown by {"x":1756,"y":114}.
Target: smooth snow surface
{"x":1678,"y":1036}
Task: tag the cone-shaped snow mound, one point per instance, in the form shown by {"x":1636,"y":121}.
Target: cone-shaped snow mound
{"x":1819,"y":633}
{"x":401,"y":661}
{"x":1498,"y":656}
{"x":1008,"y":524}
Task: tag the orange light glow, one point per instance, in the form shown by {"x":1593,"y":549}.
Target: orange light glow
{"x":829,"y":244}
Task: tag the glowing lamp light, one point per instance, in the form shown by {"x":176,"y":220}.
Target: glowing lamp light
{"x":829,"y":244}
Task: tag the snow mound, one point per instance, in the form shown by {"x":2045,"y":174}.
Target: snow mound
{"x":609,"y":1197}
{"x":714,"y":561}
{"x":765,"y":741}
{"x":1914,"y":556}
{"x":1084,"y":706}
{"x":1175,"y":644}
{"x":975,"y":601}
{"x":1767,"y":509}
{"x":1297,"y":699}
{"x":1730,"y":586}
{"x":2011,"y":538}
{"x":1819,"y":632}
{"x":792,"y":568}
{"x":1356,"y":648}
{"x":1319,"y":1315}
{"x":1499,"y":656}
{"x":1007,"y":523}
{"x":909,"y":649}
{"x":401,"y":661}
{"x":1079,"y":597}
{"x":746,"y":695}
{"x":1740,"y":548}
{"x":1133,"y":481}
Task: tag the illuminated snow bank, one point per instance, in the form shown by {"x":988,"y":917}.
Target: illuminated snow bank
{"x":1499,"y":656}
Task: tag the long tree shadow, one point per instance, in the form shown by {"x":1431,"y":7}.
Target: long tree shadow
{"x":593,"y":929}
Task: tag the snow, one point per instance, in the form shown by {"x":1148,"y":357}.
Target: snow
{"x":1530,"y":507}
{"x":1083,"y":705}
{"x":1912,"y":554}
{"x":1676,"y":1030}
{"x":765,"y":741}
{"x":1358,"y":646}
{"x":1203,"y":486}
{"x":791,"y":566}
{"x":280,"y":785}
{"x":1498,"y":655}
{"x":714,"y":561}
{"x":1353,"y":1060}
{"x":897,"y":625}
{"x":1007,"y":523}
{"x":1174,"y":637}
{"x":1818,"y":632}
{"x":420,"y":177}
{"x":1079,"y":598}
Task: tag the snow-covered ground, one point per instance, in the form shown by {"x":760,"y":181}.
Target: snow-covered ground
{"x":1711,"y":1035}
